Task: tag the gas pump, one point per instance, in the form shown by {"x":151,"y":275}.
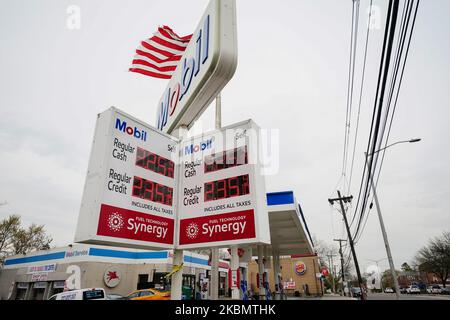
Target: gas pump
{"x":243,"y":283}
{"x":281,"y":288}
{"x":244,"y":290}
{"x":204,"y":287}
{"x":266,"y":286}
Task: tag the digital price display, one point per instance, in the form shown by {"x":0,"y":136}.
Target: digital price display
{"x":226,"y":159}
{"x":143,"y":186}
{"x":152,"y":191}
{"x":153,"y":162}
{"x":131,"y":185}
{"x":227,"y":188}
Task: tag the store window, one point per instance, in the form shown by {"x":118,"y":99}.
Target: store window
{"x":143,"y":282}
{"x":160,"y":281}
{"x":21,"y":291}
{"x":57,"y":287}
{"x":38,"y":291}
{"x":188,"y":288}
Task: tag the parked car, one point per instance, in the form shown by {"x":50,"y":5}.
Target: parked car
{"x":445,"y":290}
{"x":115,"y":296}
{"x":413,"y":289}
{"x":81,"y":294}
{"x":434,"y":289}
{"x":403,"y":290}
{"x":388,"y":290}
{"x":356,"y":292}
{"x":149,"y":294}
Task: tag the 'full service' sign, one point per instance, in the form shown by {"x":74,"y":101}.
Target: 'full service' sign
{"x":207,"y":65}
{"x":142,"y":185}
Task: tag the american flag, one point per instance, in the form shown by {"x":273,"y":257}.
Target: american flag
{"x":158,"y":56}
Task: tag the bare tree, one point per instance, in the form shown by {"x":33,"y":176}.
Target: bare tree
{"x":324,"y":249}
{"x":31,"y":239}
{"x":17,"y":240}
{"x":8,"y":228}
{"x":435,"y":257}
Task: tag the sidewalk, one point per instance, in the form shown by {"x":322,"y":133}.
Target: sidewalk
{"x":325,"y":297}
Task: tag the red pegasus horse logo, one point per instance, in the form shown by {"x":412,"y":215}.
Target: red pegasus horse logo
{"x":112,"y":275}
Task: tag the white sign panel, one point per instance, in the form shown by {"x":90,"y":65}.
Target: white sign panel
{"x":207,"y":65}
{"x":130,"y":191}
{"x":44,"y":268}
{"x":39,"y":277}
{"x":222,"y":196}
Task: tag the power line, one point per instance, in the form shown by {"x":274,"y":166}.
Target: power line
{"x":399,"y":86}
{"x":362,"y":186}
{"x":351,"y":79}
{"x":379,"y":97}
{"x":360,"y":96}
{"x":408,"y":8}
{"x":394,"y":77}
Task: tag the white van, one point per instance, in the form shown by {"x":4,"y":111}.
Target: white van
{"x":82,"y":294}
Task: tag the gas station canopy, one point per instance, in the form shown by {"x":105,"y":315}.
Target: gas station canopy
{"x":288,"y":229}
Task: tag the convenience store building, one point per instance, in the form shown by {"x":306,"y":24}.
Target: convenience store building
{"x":39,"y":275}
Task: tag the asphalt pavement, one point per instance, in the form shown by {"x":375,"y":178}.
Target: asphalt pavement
{"x":378,"y":296}
{"x":391,"y":296}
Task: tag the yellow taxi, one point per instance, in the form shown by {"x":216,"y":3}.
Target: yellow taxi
{"x":149,"y":294}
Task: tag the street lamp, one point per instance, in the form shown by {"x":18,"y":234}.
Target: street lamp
{"x":383,"y":229}
{"x":405,"y":141}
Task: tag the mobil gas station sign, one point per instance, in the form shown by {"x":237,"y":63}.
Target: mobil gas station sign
{"x":221,"y":193}
{"x":130,"y":191}
{"x":146,"y":189}
{"x":206,"y":66}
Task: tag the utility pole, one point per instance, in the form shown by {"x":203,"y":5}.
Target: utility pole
{"x":330,"y":261}
{"x":385,"y":238}
{"x":342,"y":263}
{"x":343,"y":200}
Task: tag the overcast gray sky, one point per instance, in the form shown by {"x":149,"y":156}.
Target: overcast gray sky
{"x":292,"y":76}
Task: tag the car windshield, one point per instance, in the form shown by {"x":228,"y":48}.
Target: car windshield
{"x":93,"y":294}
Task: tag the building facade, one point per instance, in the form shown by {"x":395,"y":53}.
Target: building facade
{"x":39,"y":275}
{"x":299,"y":275}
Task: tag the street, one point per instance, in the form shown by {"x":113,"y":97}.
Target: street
{"x":391,"y":296}
{"x":377,"y":296}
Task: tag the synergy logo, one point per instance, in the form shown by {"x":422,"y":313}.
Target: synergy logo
{"x":192,"y":230}
{"x":127,"y":224}
{"x":222,"y":227}
{"x":115,"y":222}
{"x":190,"y":69}
{"x":135,"y":132}
{"x":193,"y":148}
